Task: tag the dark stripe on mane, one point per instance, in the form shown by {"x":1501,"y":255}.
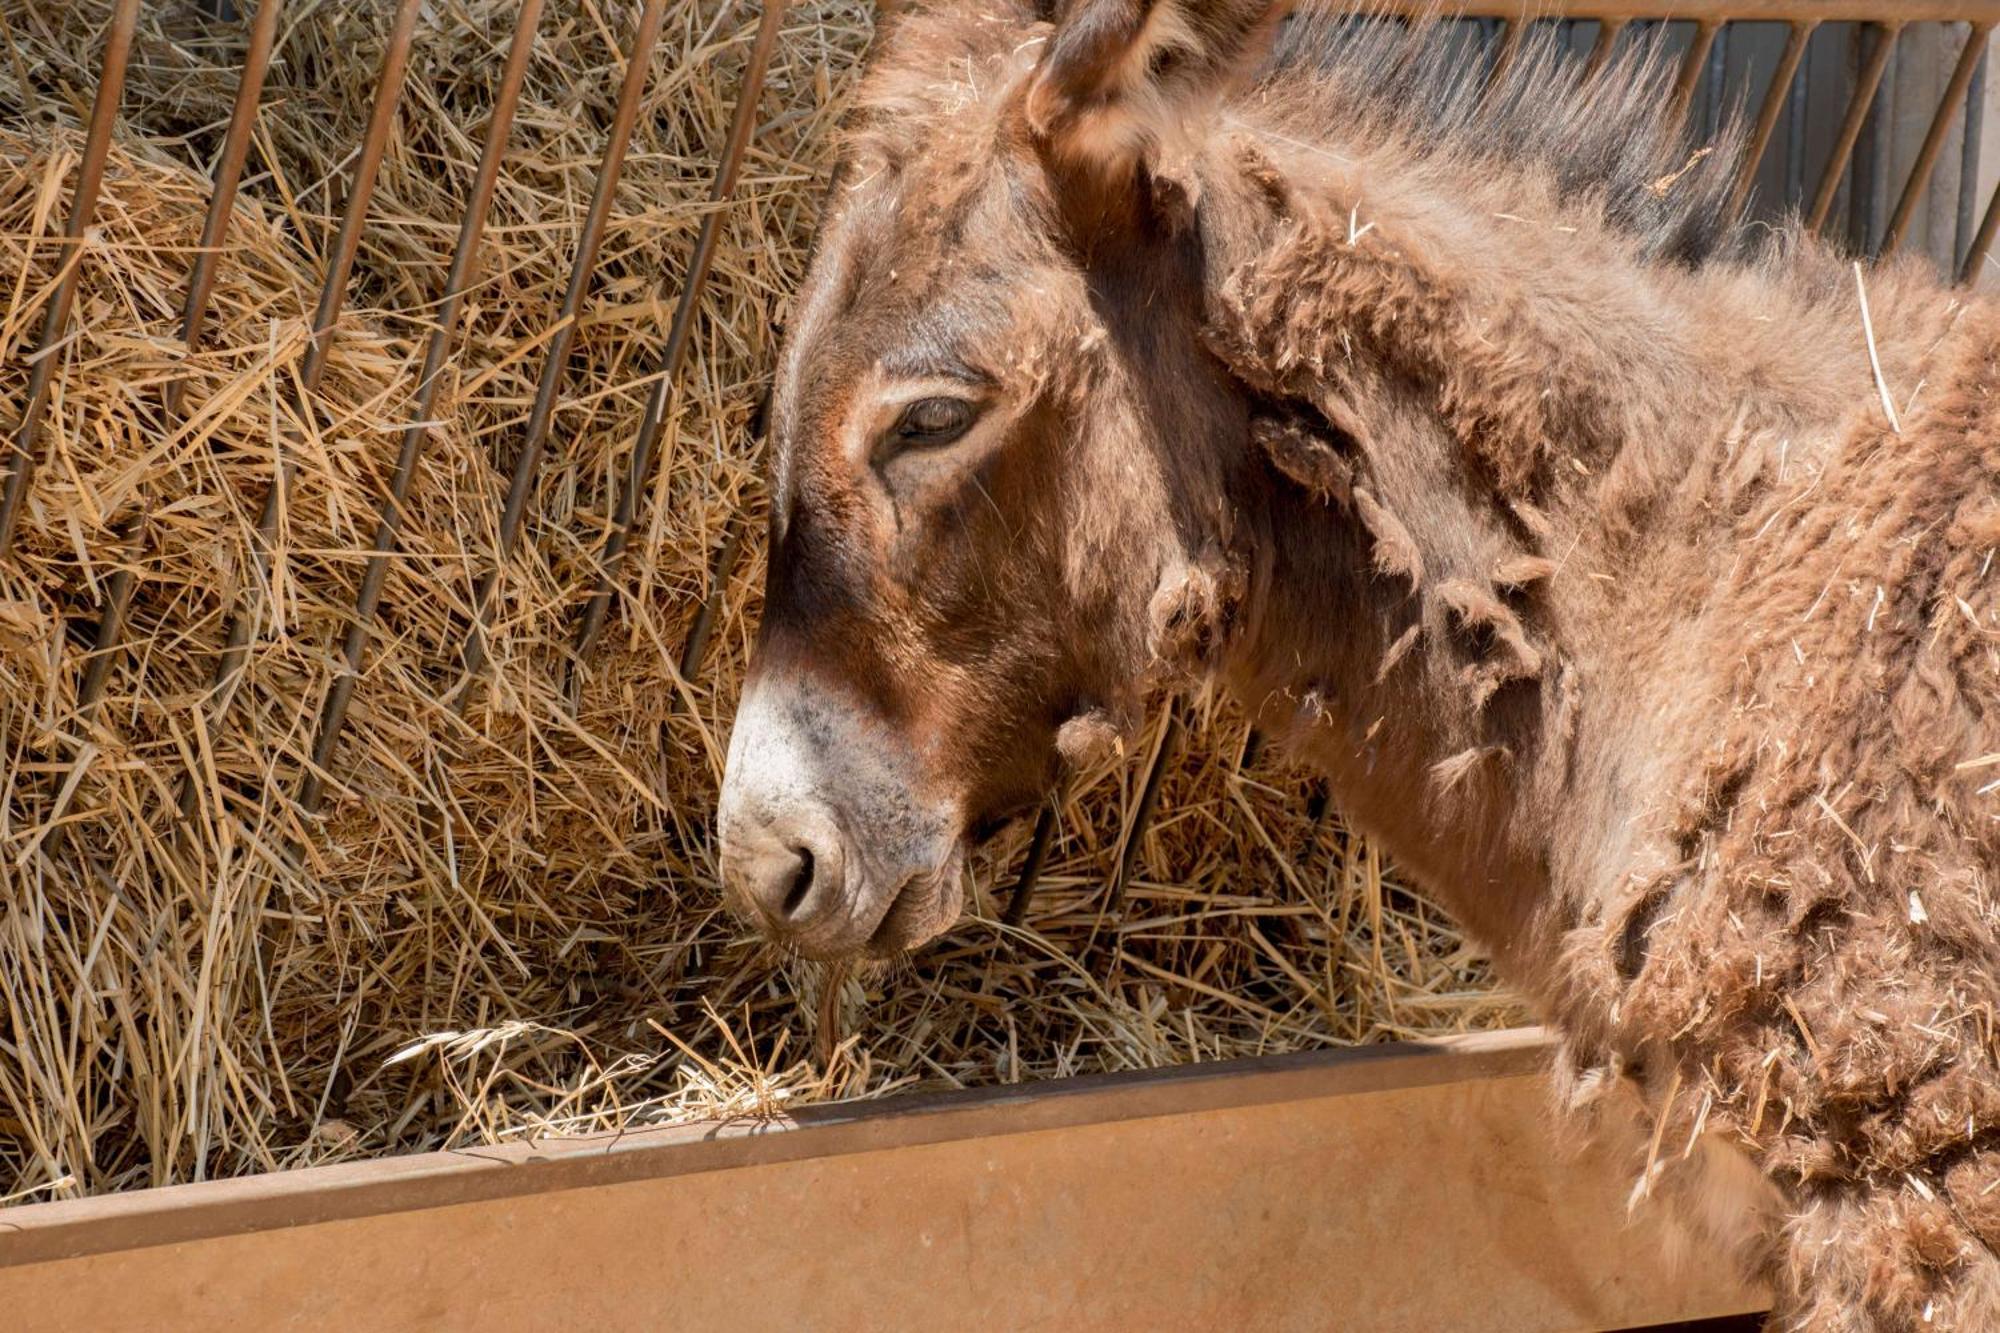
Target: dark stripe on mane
{"x":1604,"y":142}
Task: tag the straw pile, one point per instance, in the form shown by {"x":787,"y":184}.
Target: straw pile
{"x":506,"y":923}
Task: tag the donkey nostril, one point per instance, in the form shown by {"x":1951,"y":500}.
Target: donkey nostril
{"x":801,"y":882}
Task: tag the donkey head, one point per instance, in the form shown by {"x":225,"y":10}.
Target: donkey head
{"x":1001,"y":493}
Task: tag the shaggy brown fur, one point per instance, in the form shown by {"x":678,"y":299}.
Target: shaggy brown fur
{"x":1562,"y":527}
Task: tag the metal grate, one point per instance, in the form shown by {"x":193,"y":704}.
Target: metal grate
{"x":1817,"y":50}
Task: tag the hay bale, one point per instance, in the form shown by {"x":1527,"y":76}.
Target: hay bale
{"x":509,"y":922}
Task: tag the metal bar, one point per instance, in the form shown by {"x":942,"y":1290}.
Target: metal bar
{"x":1968,"y":168}
{"x":1692,"y":65}
{"x":1608,"y":32}
{"x":201,"y":281}
{"x":1869,"y":186}
{"x":107,"y":644}
{"x":83,"y":208}
{"x":106,"y":647}
{"x":626,"y":518}
{"x":1031,"y":869}
{"x":1510,"y":47}
{"x":1714,"y":80}
{"x":1487,"y":31}
{"x":630,"y":95}
{"x":1316,"y":805}
{"x":1795,"y":135}
{"x":222,"y":200}
{"x":333,"y":293}
{"x":228,"y":174}
{"x":1775,"y":98}
{"x":1927,"y":156}
{"x":1866,"y":84}
{"x":1975,"y":257}
{"x":695,"y":646}
{"x":459,"y":279}
{"x":703,"y":627}
{"x":1149,"y":798}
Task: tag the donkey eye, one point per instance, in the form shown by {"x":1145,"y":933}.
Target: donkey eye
{"x":931,"y":422}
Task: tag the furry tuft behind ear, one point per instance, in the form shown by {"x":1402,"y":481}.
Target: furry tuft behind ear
{"x":1121,"y":80}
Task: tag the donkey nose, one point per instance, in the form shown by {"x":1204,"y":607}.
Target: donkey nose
{"x":794,"y":879}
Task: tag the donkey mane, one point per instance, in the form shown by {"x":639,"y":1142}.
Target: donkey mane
{"x":1604,"y":139}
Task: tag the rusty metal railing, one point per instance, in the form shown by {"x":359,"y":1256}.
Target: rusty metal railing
{"x":22,"y":457}
{"x":333,"y":296}
{"x":1698,"y":81}
{"x":555,"y":367}
{"x":464,"y":257}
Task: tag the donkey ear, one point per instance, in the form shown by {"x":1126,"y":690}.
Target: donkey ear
{"x":1120,"y":79}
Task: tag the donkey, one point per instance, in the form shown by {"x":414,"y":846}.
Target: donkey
{"x":1626,"y":571}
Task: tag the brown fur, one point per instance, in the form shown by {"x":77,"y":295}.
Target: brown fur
{"x":1567,"y":536}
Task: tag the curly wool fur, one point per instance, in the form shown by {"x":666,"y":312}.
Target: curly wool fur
{"x":1810,"y":970}
{"x":1827,"y":974}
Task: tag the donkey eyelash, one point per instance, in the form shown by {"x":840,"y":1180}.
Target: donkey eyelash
{"x":929,"y":423}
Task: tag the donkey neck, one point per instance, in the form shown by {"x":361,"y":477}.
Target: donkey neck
{"x":1477,"y":400}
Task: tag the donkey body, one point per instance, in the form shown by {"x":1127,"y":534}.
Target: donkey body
{"x":1629,"y":583}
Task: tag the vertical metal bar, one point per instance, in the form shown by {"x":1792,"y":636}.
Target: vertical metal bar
{"x":1866,"y":84}
{"x":1149,"y":798}
{"x":1954,"y":96}
{"x":1714,"y":81}
{"x":1692,"y":65}
{"x":457,"y":281}
{"x":1798,"y":116}
{"x":333,"y":293}
{"x":381,"y":123}
{"x":106,"y":644}
{"x":1510,"y":47}
{"x":228,"y":174}
{"x":83,"y":208}
{"x":631,"y":94}
{"x":1608,"y":32}
{"x":105,"y":649}
{"x":1982,"y":244}
{"x":1316,"y":804}
{"x":1031,"y":869}
{"x":1968,"y":164}
{"x":1767,"y":117}
{"x":1870,"y":181}
{"x":625,"y":519}
{"x":222,"y":200}
{"x":696,"y":646}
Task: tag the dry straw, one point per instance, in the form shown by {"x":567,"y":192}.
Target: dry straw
{"x":506,"y":922}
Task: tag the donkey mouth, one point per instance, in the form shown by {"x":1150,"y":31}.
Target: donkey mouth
{"x":923,"y":907}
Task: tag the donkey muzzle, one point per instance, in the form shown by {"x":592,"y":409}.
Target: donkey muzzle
{"x":830,"y":842}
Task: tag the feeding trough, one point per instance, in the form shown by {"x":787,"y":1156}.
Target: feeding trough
{"x":1394,"y":1187}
